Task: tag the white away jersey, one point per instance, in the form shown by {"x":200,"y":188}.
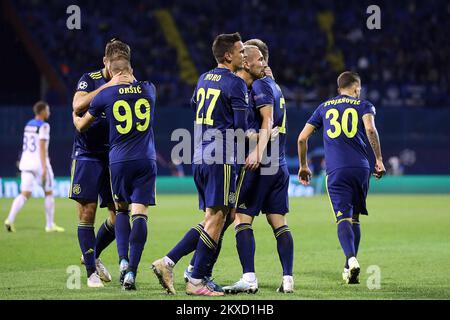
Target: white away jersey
{"x":35,"y":130}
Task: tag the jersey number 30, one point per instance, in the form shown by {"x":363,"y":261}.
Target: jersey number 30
{"x":122,"y":113}
{"x":343,"y":126}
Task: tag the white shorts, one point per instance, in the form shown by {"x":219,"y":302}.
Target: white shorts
{"x":29,"y":178}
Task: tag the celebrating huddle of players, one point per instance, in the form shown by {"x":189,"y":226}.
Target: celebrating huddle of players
{"x":114,"y":164}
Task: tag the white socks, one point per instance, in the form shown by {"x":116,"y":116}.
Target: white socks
{"x":168,"y":261}
{"x":49,"y":210}
{"x":17,"y":204}
{"x":249,"y":277}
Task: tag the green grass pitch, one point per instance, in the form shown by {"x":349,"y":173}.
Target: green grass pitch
{"x":406,"y":236}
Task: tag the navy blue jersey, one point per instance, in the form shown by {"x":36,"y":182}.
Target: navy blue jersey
{"x":266,"y":91}
{"x":129,"y":111}
{"x":344,"y":135}
{"x":221,"y":103}
{"x":92,"y":144}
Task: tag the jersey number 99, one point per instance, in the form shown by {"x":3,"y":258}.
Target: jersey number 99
{"x":212,"y":95}
{"x":122,"y":113}
{"x":338,"y":128}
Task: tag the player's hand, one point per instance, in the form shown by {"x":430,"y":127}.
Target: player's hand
{"x":268,"y":72}
{"x":274,"y":133}
{"x":304,"y":175}
{"x":120,"y":79}
{"x":380,"y":171}
{"x":253,"y":161}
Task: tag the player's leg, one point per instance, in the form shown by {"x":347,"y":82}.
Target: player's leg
{"x":84,"y":189}
{"x":285,"y":248}
{"x":105,"y":234}
{"x":356,"y":226}
{"x":163,"y":267}
{"x":228,"y":221}
{"x":140,"y":190}
{"x":206,"y":248}
{"x":217,"y":187}
{"x":248,"y":205}
{"x":360,"y":189}
{"x":26,"y":187}
{"x":86,"y":240}
{"x":276,"y":206}
{"x":137,"y":240}
{"x":341,"y":198}
{"x":122,"y":230}
{"x":188,"y":271}
{"x":245,"y":245}
{"x":49,"y":203}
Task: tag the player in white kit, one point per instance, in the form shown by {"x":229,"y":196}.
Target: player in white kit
{"x":35,"y":167}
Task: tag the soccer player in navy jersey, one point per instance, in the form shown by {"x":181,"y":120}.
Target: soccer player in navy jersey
{"x":348,"y":122}
{"x":253,"y":68}
{"x":263,"y":183}
{"x":129,"y":111}
{"x":89,"y":172}
{"x":221,"y":102}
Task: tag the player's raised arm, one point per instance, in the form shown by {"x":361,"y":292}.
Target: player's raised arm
{"x":304,"y":174}
{"x":374,"y":140}
{"x":83,"y":97}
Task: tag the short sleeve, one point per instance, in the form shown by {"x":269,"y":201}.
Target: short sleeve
{"x":86,"y":84}
{"x":97,"y":105}
{"x":262,"y":93}
{"x":239,"y":95}
{"x":316,"y":118}
{"x":368,"y":107}
{"x":44,"y":132}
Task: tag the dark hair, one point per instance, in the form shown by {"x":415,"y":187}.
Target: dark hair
{"x":224,"y":43}
{"x":347,"y":79}
{"x":117,"y":49}
{"x":39,"y":107}
{"x":261,"y":46}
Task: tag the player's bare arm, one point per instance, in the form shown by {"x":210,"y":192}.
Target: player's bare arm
{"x":82,"y":123}
{"x":82,"y":99}
{"x":374,"y":140}
{"x":304,"y":174}
{"x":254,"y":158}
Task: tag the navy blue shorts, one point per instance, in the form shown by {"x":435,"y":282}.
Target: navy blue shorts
{"x":90,"y":182}
{"x":347,"y":189}
{"x":134,"y":181}
{"x":262,"y":193}
{"x":216,"y":185}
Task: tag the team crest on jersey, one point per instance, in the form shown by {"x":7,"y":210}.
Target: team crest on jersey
{"x":82,"y":85}
{"x":232,"y":197}
{"x":76,"y":189}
